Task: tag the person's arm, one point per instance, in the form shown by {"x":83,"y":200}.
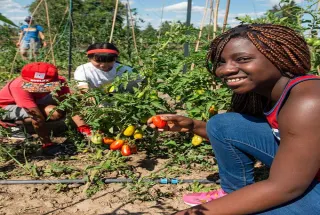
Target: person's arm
{"x":20,"y":38}
{"x":38,"y":123}
{"x":41,"y":35}
{"x":294,"y":166}
{"x":25,"y":100}
{"x":177,"y":123}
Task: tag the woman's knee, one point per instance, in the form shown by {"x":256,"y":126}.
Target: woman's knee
{"x":220,"y":125}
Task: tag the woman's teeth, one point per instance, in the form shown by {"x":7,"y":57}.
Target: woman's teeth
{"x":234,"y":80}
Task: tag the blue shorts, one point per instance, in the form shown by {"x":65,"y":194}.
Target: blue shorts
{"x":33,"y":45}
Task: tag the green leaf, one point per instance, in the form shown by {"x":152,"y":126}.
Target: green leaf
{"x":6,"y":20}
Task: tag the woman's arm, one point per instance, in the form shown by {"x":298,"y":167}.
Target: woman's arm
{"x":294,"y":167}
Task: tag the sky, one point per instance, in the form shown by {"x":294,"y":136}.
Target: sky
{"x":157,"y":11}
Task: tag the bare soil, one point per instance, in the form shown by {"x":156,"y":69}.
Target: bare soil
{"x":113,"y":199}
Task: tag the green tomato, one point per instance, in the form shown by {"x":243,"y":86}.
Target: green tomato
{"x":97,"y":138}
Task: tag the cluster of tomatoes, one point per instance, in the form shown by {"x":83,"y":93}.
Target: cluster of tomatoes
{"x":126,"y":147}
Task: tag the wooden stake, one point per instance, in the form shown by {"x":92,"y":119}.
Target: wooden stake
{"x":226,"y":16}
{"x":114,"y":20}
{"x":211,"y":19}
{"x":49,"y":31}
{"x":215,"y":19}
{"x":200,"y":31}
{"x":55,"y":36}
{"x":133,"y":34}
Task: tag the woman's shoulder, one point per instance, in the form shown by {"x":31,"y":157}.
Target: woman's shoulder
{"x":303,"y":96}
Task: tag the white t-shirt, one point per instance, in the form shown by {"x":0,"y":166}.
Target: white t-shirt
{"x":88,"y":74}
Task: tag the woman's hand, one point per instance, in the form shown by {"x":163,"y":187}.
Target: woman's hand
{"x":174,"y":123}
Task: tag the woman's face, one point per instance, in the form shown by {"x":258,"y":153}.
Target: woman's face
{"x":104,"y":66}
{"x":244,"y":69}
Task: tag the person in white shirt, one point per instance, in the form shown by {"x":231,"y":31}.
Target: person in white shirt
{"x":102,"y":67}
{"x":100,"y":71}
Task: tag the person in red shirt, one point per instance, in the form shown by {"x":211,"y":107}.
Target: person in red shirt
{"x":32,"y":97}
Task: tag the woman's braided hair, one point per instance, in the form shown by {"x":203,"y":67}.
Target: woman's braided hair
{"x":286,"y":49}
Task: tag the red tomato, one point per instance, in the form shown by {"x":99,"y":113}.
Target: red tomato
{"x":125,"y":150}
{"x":158,"y":122}
{"x":133,"y":149}
{"x":116,"y":145}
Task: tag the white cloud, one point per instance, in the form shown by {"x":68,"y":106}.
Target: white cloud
{"x":131,"y":2}
{"x":9,"y":5}
{"x":177,"y":8}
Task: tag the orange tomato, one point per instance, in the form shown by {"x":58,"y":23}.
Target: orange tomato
{"x":116,"y":145}
{"x":108,"y":140}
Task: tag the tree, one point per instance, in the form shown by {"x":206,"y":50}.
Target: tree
{"x":92,"y":19}
{"x":149,"y":32}
{"x":288,"y":9}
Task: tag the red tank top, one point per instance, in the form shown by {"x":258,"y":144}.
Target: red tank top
{"x":272,"y":115}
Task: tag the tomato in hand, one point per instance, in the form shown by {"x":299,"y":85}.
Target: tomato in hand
{"x":116,"y":145}
{"x":125,"y":150}
{"x":158,"y":122}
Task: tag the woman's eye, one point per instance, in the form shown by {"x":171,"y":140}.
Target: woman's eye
{"x":221,"y":62}
{"x":243,"y":59}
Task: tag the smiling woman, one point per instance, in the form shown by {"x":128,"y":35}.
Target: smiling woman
{"x":275,"y":118}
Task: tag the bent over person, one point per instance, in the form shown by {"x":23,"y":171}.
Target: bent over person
{"x":30,"y":98}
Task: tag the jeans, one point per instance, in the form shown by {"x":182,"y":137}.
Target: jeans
{"x":237,"y":141}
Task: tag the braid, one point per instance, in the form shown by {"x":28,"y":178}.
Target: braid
{"x":286,"y":49}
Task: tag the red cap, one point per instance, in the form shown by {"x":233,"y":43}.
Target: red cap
{"x":39,"y":72}
{"x":40,"y":77}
